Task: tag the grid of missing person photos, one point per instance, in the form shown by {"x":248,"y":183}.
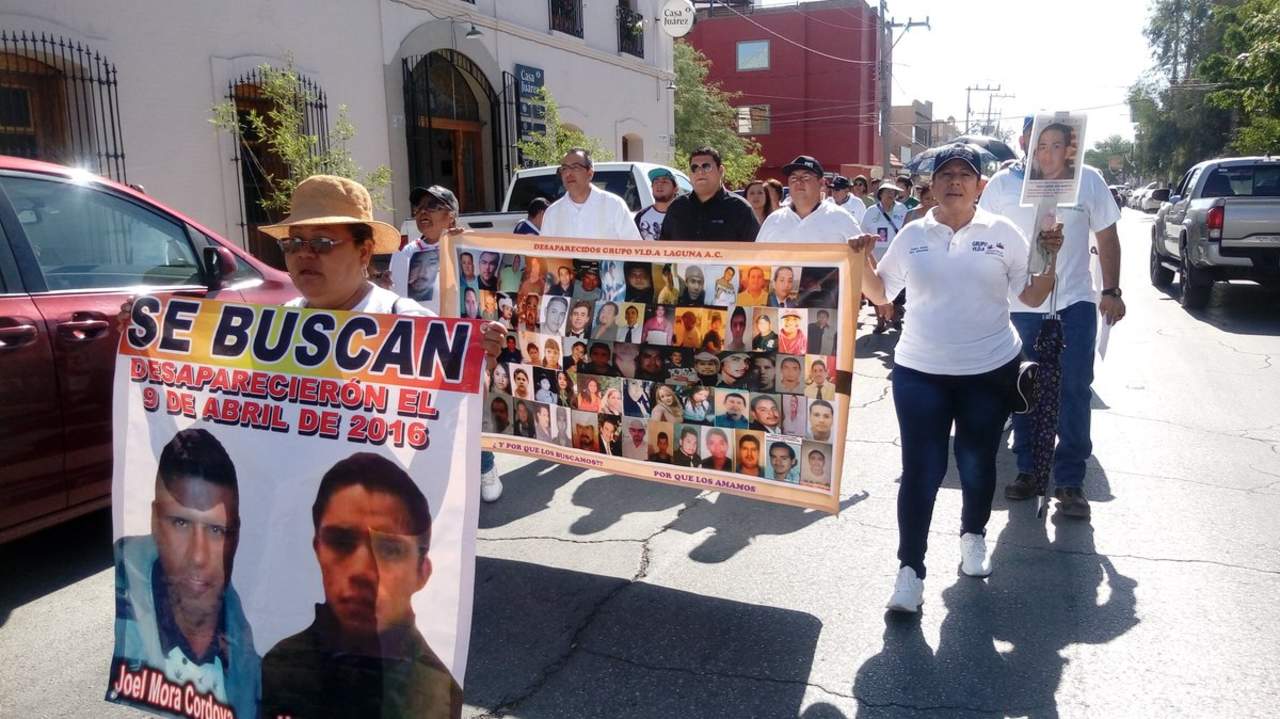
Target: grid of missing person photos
{"x":724,"y":367}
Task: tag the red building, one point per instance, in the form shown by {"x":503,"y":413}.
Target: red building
{"x":795,"y":101}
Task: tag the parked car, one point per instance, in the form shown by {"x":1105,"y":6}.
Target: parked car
{"x":1153,"y":199}
{"x":628,"y":180}
{"x":1221,"y":223}
{"x":72,"y":247}
{"x":1137,"y":196}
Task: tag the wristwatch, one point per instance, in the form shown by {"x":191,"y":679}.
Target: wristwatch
{"x":1113,"y":292}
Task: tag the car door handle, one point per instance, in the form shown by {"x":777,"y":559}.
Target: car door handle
{"x":83,"y":330}
{"x":17,"y":336}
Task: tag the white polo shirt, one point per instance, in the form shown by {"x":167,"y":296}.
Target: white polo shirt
{"x":604,"y":216}
{"x":852,"y":205}
{"x":959,"y":285}
{"x":1094,"y":211}
{"x":887,"y":226}
{"x":827,"y":223}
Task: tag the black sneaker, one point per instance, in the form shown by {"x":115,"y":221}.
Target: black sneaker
{"x":1071,"y":502}
{"x":1022,"y":487}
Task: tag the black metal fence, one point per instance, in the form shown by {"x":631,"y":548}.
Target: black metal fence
{"x":257,"y":163}
{"x":59,"y":103}
{"x":630,"y":31}
{"x":566,"y":16}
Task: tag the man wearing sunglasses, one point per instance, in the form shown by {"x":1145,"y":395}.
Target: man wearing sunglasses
{"x":709,"y":213}
{"x":435,"y":211}
{"x":586,"y":211}
{"x":363,"y":655}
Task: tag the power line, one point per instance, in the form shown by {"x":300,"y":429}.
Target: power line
{"x":788,"y":40}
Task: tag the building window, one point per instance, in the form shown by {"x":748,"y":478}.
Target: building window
{"x":753,"y":55}
{"x":566,"y":16}
{"x":753,"y":120}
{"x":58,"y":104}
{"x":630,"y":29}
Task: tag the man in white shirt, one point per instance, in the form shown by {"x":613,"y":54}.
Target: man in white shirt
{"x":842,"y":196}
{"x":585,"y":211}
{"x":807,"y":218}
{"x":1078,"y":306}
{"x":649,"y":219}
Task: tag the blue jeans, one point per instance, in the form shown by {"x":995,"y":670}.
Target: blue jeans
{"x":1079,"y":329}
{"x":486,"y":461}
{"x":927,"y":405}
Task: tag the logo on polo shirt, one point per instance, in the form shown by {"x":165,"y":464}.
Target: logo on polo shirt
{"x":995,"y":249}
{"x":918,"y":249}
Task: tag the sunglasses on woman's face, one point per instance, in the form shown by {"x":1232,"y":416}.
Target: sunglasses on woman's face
{"x":318,"y":245}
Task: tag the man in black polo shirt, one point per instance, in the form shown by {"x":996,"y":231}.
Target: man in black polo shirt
{"x":709,"y":213}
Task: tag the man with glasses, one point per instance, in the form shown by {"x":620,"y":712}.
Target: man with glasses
{"x":842,"y":196}
{"x":415,"y":268}
{"x":363,"y":655}
{"x":808,"y":218}
{"x":709,"y":213}
{"x":586,"y":211}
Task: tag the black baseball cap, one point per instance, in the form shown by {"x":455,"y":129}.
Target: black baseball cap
{"x":841,"y":183}
{"x":961,"y":151}
{"x":803,"y":162}
{"x":442,"y":194}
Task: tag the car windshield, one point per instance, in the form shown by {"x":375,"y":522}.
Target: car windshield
{"x":1243,"y":181}
{"x":620,"y":182}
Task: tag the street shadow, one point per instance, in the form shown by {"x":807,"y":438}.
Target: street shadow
{"x":526,"y":490}
{"x":52,"y":559}
{"x":610,"y":497}
{"x":1001,"y":643}
{"x":880,"y":347}
{"x":1235,"y":308}
{"x":557,"y":643}
{"x":737,"y":521}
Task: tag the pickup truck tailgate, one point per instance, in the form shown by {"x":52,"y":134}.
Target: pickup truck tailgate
{"x":1251,"y":222}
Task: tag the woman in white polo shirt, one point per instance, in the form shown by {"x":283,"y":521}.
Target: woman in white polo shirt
{"x":957,"y":360}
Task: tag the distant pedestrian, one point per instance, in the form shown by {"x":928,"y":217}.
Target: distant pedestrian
{"x":808,"y":218}
{"x":760,"y":199}
{"x":774,"y":188}
{"x":532,"y":223}
{"x":649,"y":219}
{"x":585,"y":210}
{"x":926,"y":202}
{"x":842,"y":196}
{"x":709,"y":213}
{"x":885,"y":219}
{"x":862,"y":190}
{"x":908,"y":200}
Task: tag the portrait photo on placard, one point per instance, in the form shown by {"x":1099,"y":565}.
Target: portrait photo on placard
{"x":782,"y":458}
{"x":665,"y":287}
{"x":624,"y":358}
{"x":635,"y":398}
{"x":544,"y":385}
{"x":522,"y":381}
{"x":763,"y":374}
{"x":735,"y":370}
{"x":522,"y":422}
{"x":659,"y":324}
{"x":497,"y":415}
{"x":749,"y":458}
{"x":552,"y":351}
{"x":488,"y":267}
{"x":599,"y":359}
{"x":753,"y":285}
{"x":764,"y":329}
{"x":609,"y":429}
{"x":791,"y":376}
{"x":470,"y":301}
{"x":489,"y":306}
{"x":587,"y":274}
{"x":635,"y":438}
{"x":815,"y":465}
{"x":688,"y":328}
{"x":731,"y":408}
{"x":563,"y":282}
{"x":530,"y":347}
{"x":698,"y":403}
{"x":566,"y":388}
{"x":795,"y":414}
{"x":544,"y":427}
{"x":819,"y":377}
{"x":688,"y":446}
{"x":528,"y":312}
{"x":819,"y":287}
{"x":506,"y":309}
{"x":651,"y":364}
{"x":792,"y":339}
{"x":613,"y":281}
{"x":639,"y":276}
{"x":590,"y":393}
{"x":586,"y":436}
{"x":510,"y":273}
{"x":661,"y":442}
{"x":579,"y":322}
{"x":576,"y":349}
{"x":611,"y":397}
{"x":724,"y":288}
{"x":713,"y":337}
{"x":765,"y":412}
{"x":604,"y":326}
{"x":679,"y":365}
{"x":822,"y":332}
{"x":631,"y":323}
{"x":1055,"y":159}
{"x":424,"y":273}
{"x":562,"y":417}
{"x":664,"y":403}
{"x":738,"y":337}
{"x":500,"y":377}
{"x":717,"y":448}
{"x":693,"y":286}
{"x":784,"y":287}
{"x":706,"y":366}
{"x":555,"y":312}
{"x":468,"y":273}
{"x":535,"y":278}
{"x":821,"y":421}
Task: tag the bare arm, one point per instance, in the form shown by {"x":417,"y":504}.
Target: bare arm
{"x":1112,"y":308}
{"x":1035,"y":293}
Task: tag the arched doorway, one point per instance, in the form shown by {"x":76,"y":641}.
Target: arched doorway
{"x":455,"y":128}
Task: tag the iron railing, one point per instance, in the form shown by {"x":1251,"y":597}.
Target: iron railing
{"x":59,"y":103}
{"x":630,"y":30}
{"x":566,"y":16}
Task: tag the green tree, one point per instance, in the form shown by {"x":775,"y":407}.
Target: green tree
{"x":283,"y":132}
{"x":1247,"y":71}
{"x":1105,"y":151}
{"x":550,"y":146}
{"x":704,"y":116}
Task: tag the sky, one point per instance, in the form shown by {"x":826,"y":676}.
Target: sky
{"x":1051,"y":55}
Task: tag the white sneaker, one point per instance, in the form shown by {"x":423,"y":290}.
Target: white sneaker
{"x":490,"y":485}
{"x":973,"y":555}
{"x":908,"y":592}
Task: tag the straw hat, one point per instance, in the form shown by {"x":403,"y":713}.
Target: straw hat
{"x":332,"y":200}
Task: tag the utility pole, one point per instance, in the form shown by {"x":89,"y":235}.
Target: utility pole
{"x":968,"y":126}
{"x":887,"y":26}
{"x":989,"y":128}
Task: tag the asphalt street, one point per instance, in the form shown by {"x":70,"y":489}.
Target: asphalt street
{"x":600,"y":596}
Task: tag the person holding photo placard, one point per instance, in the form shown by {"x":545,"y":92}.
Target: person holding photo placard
{"x":957,"y":361}
{"x":1078,"y":305}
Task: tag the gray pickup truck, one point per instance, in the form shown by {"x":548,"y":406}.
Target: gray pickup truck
{"x":1222,"y":222}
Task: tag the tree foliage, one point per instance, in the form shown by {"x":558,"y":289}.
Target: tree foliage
{"x":704,"y":116}
{"x":1247,"y":68}
{"x":550,"y":146}
{"x":1101,"y":154}
{"x":283,"y":132}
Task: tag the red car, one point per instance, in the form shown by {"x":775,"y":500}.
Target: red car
{"x":73,"y":246}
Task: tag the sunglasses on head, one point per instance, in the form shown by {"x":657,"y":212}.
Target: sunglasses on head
{"x":318,"y":245}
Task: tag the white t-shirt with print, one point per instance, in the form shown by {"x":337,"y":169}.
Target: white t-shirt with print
{"x":852,"y":205}
{"x":958,"y":285}
{"x":827,"y":223}
{"x":401,"y":262}
{"x":381,"y":302}
{"x":650,"y":222}
{"x":876,"y":222}
{"x":1095,"y":210}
